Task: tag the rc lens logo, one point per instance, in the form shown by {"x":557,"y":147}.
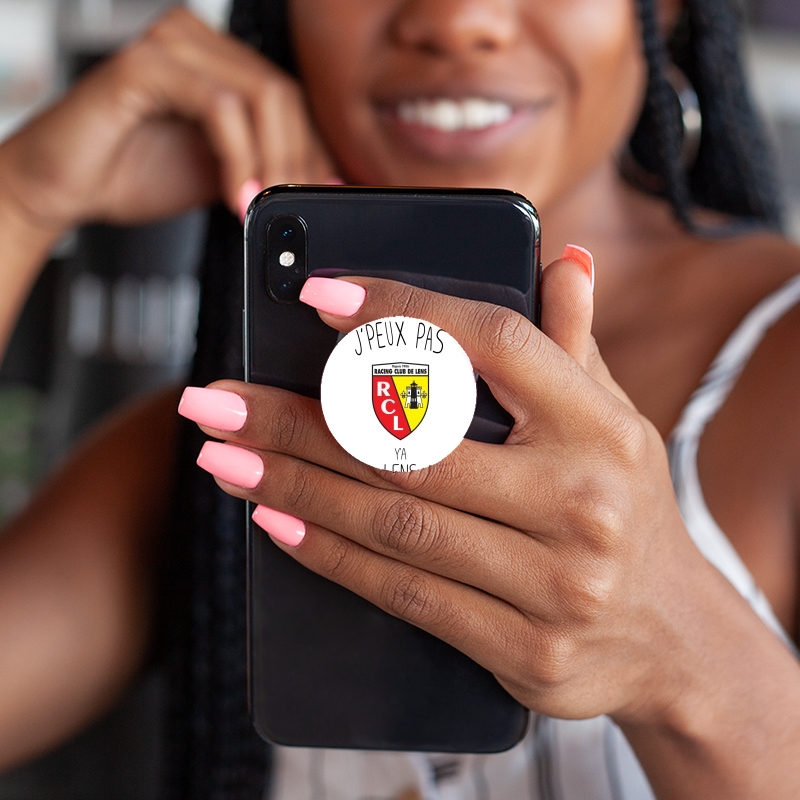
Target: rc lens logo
{"x":376,"y":393}
{"x":400,"y":396}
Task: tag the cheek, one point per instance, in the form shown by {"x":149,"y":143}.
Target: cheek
{"x":610,"y":73}
{"x":596,"y":45}
{"x":333,"y":40}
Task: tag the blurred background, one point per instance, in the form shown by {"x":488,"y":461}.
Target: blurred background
{"x":114,"y":314}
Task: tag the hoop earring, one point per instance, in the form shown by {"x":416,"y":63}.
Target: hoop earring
{"x":691,"y":117}
{"x":691,"y":120}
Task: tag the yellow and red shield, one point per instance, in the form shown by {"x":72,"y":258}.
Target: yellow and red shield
{"x":400,"y":396}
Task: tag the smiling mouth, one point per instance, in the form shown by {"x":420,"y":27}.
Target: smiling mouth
{"x":455,"y":129}
{"x":451,"y":116}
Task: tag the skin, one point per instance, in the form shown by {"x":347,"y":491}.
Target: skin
{"x":77,"y":581}
{"x":572,"y":577}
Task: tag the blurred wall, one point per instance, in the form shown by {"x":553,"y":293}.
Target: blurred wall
{"x":773,"y":58}
{"x":113,"y":314}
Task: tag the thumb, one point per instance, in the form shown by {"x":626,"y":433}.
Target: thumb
{"x":567,"y":310}
{"x":568,"y":303}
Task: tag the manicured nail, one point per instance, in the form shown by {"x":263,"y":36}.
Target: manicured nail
{"x":334,"y":180}
{"x":216,"y":408}
{"x":283,"y":527}
{"x":341,"y":298}
{"x":580,"y":255}
{"x":250,"y":188}
{"x":232,"y":464}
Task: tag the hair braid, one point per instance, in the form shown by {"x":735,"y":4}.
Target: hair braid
{"x":212,"y":749}
{"x":265,"y":25}
{"x":656,"y":143}
{"x":734,"y":172}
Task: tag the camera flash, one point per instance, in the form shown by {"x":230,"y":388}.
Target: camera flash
{"x":286,"y":258}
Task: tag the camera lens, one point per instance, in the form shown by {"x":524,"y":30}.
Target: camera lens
{"x":286,"y":257}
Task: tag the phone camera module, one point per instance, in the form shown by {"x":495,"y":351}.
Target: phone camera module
{"x":286,"y":257}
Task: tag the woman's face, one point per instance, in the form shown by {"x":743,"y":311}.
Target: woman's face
{"x":530,"y":95}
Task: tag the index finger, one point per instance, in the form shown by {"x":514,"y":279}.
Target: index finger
{"x":521,"y":365}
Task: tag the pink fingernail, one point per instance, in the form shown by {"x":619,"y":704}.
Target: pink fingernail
{"x":334,"y":296}
{"x":250,"y":188}
{"x":216,"y":408}
{"x":283,"y":527}
{"x":232,"y":464}
{"x":580,"y":255}
{"x":334,"y":180}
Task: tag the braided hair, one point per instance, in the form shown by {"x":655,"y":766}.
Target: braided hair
{"x":211,"y":748}
{"x":733,"y":172}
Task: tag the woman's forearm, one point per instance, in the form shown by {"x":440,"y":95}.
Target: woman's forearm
{"x":732,"y":730}
{"x":77,"y":579}
{"x":24,"y":248}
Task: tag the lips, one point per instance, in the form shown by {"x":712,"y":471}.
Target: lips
{"x":467,"y":126}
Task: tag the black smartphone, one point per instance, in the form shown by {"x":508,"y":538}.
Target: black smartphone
{"x":327,"y":668}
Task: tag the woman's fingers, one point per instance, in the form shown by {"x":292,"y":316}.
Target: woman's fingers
{"x":518,"y":361}
{"x":491,"y":557}
{"x":179,"y":118}
{"x":505,"y":599}
{"x":531,"y":376}
{"x":567,"y":311}
{"x":567,"y":302}
{"x":285,"y":147}
{"x":290,"y":149}
{"x":535,"y":660}
{"x":514,"y":485}
{"x":167,"y":87}
{"x":490,"y":631}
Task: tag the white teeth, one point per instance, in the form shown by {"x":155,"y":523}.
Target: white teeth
{"x":448,"y":115}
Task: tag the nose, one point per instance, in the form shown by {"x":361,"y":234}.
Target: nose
{"x":449,"y":27}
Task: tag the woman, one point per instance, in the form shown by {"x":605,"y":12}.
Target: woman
{"x":579,"y":583}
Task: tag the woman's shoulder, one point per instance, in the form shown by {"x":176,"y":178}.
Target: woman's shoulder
{"x":752,"y":253}
{"x":759,"y":252}
{"x":710,"y":287}
{"x":760,"y":273}
{"x":749,"y":458}
{"x":735,"y":273}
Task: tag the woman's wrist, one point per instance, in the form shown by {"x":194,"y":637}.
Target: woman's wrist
{"x":23,"y":233}
{"x":730,"y":687}
{"x":25,"y":244}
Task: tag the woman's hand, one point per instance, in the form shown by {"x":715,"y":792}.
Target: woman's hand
{"x":557,"y":560}
{"x":180,"y":117}
{"x":543,"y":558}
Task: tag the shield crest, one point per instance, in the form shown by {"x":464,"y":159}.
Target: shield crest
{"x":400,"y":396}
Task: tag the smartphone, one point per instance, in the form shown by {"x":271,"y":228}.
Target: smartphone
{"x":327,"y":668}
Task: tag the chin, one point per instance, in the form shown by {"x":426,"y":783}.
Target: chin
{"x":404,"y":169}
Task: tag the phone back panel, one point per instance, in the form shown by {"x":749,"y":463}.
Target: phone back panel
{"x":327,"y":668}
